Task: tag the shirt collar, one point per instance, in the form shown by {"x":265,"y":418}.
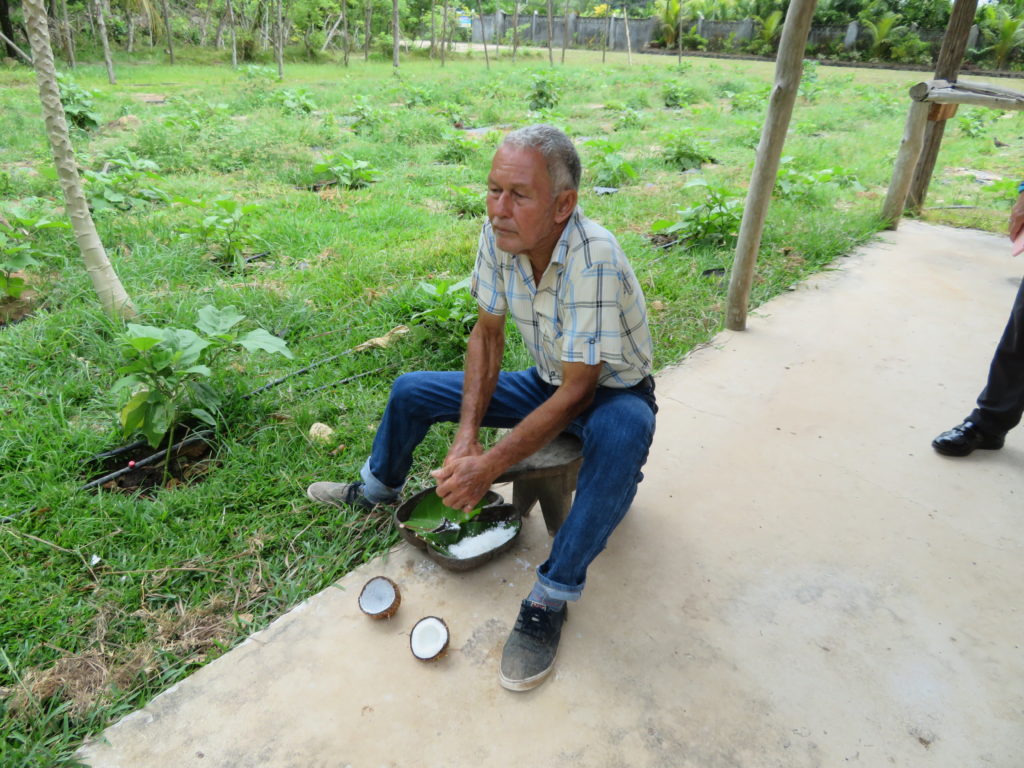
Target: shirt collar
{"x":562,"y":246}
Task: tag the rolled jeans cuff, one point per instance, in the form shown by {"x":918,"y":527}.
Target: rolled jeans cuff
{"x":559,"y":591}
{"x":374,"y":490}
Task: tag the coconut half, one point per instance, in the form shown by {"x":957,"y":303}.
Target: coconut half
{"x":380,"y":598}
{"x":429,"y":639}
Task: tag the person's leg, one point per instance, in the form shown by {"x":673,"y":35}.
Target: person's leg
{"x":616,"y":431}
{"x":421,"y":399}
{"x":1001,"y":403}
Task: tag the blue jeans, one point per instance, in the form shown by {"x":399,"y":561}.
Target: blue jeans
{"x":616,"y":430}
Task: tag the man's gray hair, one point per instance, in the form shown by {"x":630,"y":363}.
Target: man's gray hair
{"x":557,"y":149}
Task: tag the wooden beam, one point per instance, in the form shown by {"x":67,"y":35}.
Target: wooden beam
{"x":951,"y":55}
{"x":962,"y":92}
{"x":788,"y":70}
{"x":906,"y":161}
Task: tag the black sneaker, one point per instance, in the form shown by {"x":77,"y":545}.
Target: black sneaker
{"x":529,"y":654}
{"x":339,"y":495}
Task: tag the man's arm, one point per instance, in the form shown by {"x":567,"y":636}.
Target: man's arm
{"x":484,"y":352}
{"x":464,"y":480}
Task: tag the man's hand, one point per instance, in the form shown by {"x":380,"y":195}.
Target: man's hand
{"x":463,"y":481}
{"x":1017,"y":217}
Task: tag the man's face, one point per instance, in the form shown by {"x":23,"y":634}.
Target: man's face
{"x":525,"y":213}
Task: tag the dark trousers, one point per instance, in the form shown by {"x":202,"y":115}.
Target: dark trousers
{"x":1001,"y":403}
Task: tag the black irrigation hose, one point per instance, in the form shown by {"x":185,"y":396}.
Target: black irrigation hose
{"x":307,"y":369}
{"x":115,"y":451}
{"x":347,"y":379}
{"x":199,"y":437}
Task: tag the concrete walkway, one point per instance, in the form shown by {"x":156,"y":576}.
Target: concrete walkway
{"x":801,"y":582}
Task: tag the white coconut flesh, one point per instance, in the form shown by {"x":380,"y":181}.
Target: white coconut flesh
{"x":429,"y":638}
{"x":378,"y":597}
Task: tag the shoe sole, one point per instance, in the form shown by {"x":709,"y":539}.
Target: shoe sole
{"x":528,"y":684}
{"x":960,"y":452}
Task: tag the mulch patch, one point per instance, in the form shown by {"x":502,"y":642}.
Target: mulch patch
{"x":140,"y":469}
{"x":15,"y":310}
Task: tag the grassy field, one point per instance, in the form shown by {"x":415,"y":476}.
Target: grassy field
{"x":109,"y":598}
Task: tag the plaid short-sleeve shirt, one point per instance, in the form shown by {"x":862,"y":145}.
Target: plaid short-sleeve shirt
{"x":588,"y":307}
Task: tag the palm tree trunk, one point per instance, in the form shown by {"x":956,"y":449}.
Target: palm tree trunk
{"x":101,"y":25}
{"x":111,"y":293}
{"x":433,"y":30}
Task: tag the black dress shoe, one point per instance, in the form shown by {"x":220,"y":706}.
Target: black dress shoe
{"x":964,"y":438}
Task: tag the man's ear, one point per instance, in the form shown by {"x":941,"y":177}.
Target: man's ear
{"x":565,"y":204}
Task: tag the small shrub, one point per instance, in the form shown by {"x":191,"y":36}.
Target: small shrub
{"x":169,"y":369}
{"x":715,"y":221}
{"x":78,"y":103}
{"x":629,"y":119}
{"x":19,"y":249}
{"x":813,"y":187}
{"x":638,"y":101}
{"x":346,"y":171}
{"x":684,"y":153}
{"x":294,"y":101}
{"x":544,"y":92}
{"x":609,"y":168}
{"x":467,"y":203}
{"x":677,"y":95}
{"x":974,"y":122}
{"x":457,"y":149}
{"x":124,"y":182}
{"x":224,"y":228}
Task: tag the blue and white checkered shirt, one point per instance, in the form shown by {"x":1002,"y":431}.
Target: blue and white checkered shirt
{"x":588,"y":307}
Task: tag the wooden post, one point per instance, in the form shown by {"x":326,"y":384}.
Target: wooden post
{"x":234,"y":35}
{"x":906,"y":161}
{"x":607,"y":36}
{"x":565,"y":29}
{"x":551,"y":32}
{"x":101,"y":25}
{"x":167,"y":26}
{"x":483,"y":32}
{"x":515,"y":31}
{"x":10,"y":43}
{"x":679,"y":35}
{"x":951,"y":55}
{"x":629,"y":44}
{"x":344,"y":32}
{"x":396,"y":34}
{"x":444,"y":31}
{"x":368,"y":8}
{"x":788,"y":69}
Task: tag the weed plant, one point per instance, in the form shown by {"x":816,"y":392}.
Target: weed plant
{"x":100,"y":591}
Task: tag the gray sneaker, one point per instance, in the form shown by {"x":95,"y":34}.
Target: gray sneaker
{"x":339,"y":495}
{"x":529,"y":654}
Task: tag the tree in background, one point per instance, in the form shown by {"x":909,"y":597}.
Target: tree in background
{"x":111,"y":293}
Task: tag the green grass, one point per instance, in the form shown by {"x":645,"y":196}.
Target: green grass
{"x":108,"y":599}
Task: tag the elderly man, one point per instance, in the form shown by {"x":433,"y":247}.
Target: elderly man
{"x":577,"y":304}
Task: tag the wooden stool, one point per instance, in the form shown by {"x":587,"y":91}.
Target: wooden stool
{"x":548,"y":476}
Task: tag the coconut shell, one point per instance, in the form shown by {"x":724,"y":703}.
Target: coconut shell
{"x":444,"y":647}
{"x":388,"y":611}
